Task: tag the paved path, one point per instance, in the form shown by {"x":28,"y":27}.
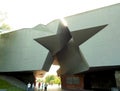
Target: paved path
{"x":58,"y":88}
{"x":52,"y":88}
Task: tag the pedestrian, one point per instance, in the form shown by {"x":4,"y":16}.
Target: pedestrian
{"x":28,"y":87}
{"x":39,"y":85}
{"x":45,"y":87}
{"x":42,"y":85}
{"x":33,"y":87}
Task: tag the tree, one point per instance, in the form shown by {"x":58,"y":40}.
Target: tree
{"x":3,"y":26}
{"x":3,"y":16}
{"x":50,"y":79}
{"x":57,"y":80}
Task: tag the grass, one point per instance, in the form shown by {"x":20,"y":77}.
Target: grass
{"x":6,"y":85}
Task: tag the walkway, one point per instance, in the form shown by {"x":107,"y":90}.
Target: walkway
{"x":51,"y":88}
{"x":58,"y":88}
{"x":54,"y":88}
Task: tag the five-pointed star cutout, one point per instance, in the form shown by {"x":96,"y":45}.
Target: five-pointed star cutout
{"x":65,"y":45}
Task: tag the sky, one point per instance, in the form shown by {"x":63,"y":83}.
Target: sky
{"x":53,"y":70}
{"x":29,"y":13}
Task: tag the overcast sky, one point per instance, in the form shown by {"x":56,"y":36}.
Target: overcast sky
{"x":29,"y":13}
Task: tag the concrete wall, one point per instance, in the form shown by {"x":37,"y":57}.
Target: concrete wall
{"x":103,"y":49}
{"x":20,"y":52}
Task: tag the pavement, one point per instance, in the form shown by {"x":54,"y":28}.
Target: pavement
{"x":51,"y":88}
{"x":54,"y":88}
{"x":58,"y":88}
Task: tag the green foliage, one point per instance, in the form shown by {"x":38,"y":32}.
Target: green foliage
{"x":4,"y":27}
{"x":57,"y":80}
{"x":52,"y":79}
{"x":14,"y":89}
{"x":5,"y":85}
{"x":49,"y":79}
{"x":3,"y":16}
{"x":39,"y":80}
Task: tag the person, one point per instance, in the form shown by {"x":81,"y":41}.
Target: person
{"x":33,"y":87}
{"x":28,"y":87}
{"x":45,"y":86}
{"x":39,"y":85}
{"x":42,"y":85}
